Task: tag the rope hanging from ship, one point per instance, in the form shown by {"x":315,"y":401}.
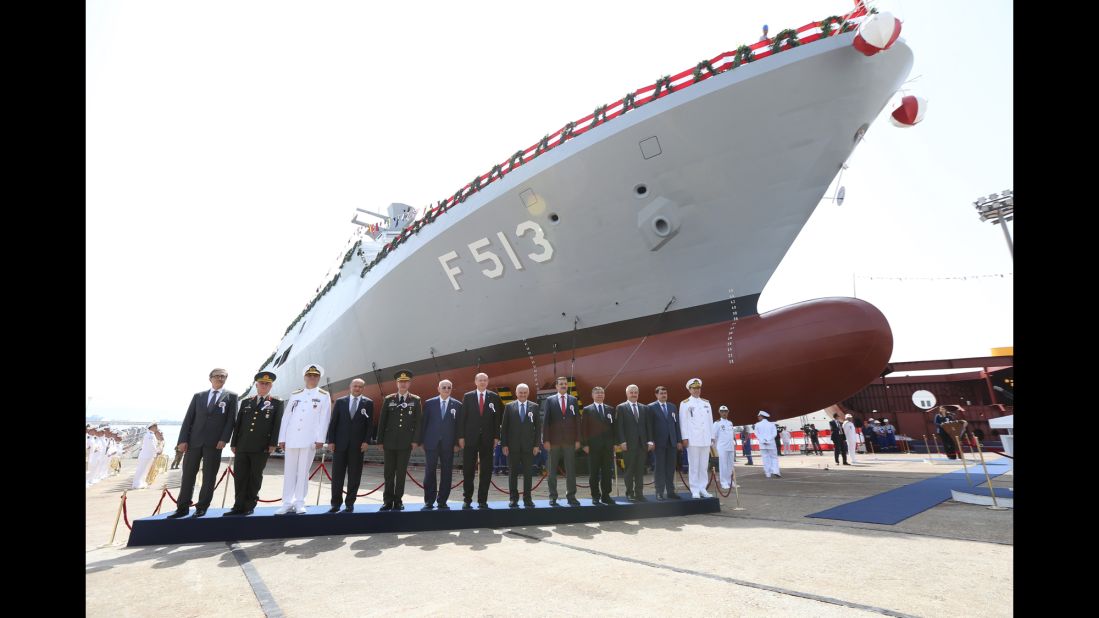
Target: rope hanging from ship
{"x":665,"y":85}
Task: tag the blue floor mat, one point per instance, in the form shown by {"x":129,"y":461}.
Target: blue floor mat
{"x":897,"y":505}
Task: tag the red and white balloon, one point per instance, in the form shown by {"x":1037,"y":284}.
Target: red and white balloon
{"x":877,"y":33}
{"x":910,"y":112}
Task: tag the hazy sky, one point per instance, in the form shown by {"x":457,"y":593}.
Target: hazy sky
{"x":229,"y":143}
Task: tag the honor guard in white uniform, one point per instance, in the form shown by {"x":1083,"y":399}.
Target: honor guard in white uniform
{"x":304,"y":425}
{"x":95,"y":458}
{"x":725,"y":443}
{"x":767,"y":433}
{"x":696,"y":421}
{"x":149,"y":450}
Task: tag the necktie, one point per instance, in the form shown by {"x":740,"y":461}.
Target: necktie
{"x":523,"y":412}
{"x":402,"y":399}
{"x":600,"y":409}
{"x":481,"y":402}
{"x":442,"y":405}
{"x":562,"y":406}
{"x":354,"y":406}
{"x":634,"y":406}
{"x":213,"y":399}
{"x":664,"y":406}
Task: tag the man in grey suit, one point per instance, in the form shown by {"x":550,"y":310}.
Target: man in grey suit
{"x":205,"y":431}
{"x":439,"y":437}
{"x":597,"y":434}
{"x":348,"y":439}
{"x":519,"y":435}
{"x":635,"y":428}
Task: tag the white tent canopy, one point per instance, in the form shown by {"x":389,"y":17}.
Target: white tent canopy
{"x":1002,"y":422}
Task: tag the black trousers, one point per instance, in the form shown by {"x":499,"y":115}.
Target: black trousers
{"x":568,"y":455}
{"x":816,"y":445}
{"x":601,"y":468}
{"x":210,"y":458}
{"x":635,"y":469}
{"x":664,"y":470}
{"x":470,"y":454}
{"x":520,"y":460}
{"x":840,"y":447}
{"x":439,"y":457}
{"x":396,"y":464}
{"x":247,"y":478}
{"x":347,"y":461}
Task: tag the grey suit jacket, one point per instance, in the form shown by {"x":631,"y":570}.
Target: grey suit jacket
{"x":206,"y":426}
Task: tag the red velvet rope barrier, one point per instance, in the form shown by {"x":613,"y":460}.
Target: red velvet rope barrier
{"x":125,"y":515}
{"x":161,"y":501}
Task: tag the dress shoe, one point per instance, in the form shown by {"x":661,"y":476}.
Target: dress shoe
{"x":642,"y":498}
{"x":696,"y":496}
{"x":778,"y":475}
{"x":398,"y":506}
{"x":573,"y":502}
{"x":674,"y":496}
{"x":232,"y":512}
{"x":350,"y":508}
{"x":199,"y":513}
{"x":528,"y":503}
{"x":513,"y":504}
{"x":284,"y":510}
{"x":466,"y":506}
{"x":483,"y":505}
{"x":428,"y":507}
{"x":846,"y":464}
{"x":554,"y":502}
{"x":609,"y":501}
{"x":179,"y":513}
{"x":444,"y":507}
{"x":706,"y":494}
{"x":300,"y":510}
{"x":386,"y":507}
{"x":660,"y":498}
{"x":631,"y":499}
{"x":335,"y":509}
{"x":249,"y":512}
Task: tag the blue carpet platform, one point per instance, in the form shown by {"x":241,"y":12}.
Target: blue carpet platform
{"x":366,"y":519}
{"x":897,"y":505}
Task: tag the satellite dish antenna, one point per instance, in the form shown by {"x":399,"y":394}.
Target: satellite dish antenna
{"x":839,"y":196}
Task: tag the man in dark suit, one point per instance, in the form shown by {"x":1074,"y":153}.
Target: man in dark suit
{"x":348,"y":438}
{"x":520,"y":433}
{"x":634,"y":429}
{"x":254,"y":438}
{"x":667,"y":440}
{"x":561,"y":437}
{"x":397,"y":431}
{"x":478,"y":435}
{"x":597,"y":434}
{"x":439,"y":437}
{"x":839,"y":440}
{"x":205,"y":430}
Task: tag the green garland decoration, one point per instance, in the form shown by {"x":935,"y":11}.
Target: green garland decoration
{"x":744,"y":55}
{"x":665,"y":82}
{"x":705,"y":64}
{"x":496,"y":172}
{"x":543,"y":145}
{"x":567,"y":132}
{"x":827,"y":23}
{"x":790,"y":35}
{"x":600,"y":112}
{"x":629,"y":102}
{"x":516,"y":160}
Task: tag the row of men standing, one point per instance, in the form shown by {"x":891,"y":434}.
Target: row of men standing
{"x":308,"y":420}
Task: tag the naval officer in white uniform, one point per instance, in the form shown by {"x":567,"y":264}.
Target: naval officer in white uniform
{"x":304,"y":426}
{"x":725,"y":445}
{"x":768,"y":444}
{"x":696,"y":421}
{"x":149,"y":450}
